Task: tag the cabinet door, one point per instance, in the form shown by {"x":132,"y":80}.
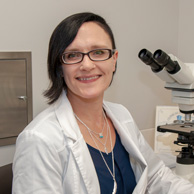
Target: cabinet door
{"x":13,"y":97}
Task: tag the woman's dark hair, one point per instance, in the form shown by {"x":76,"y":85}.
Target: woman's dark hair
{"x":62,"y":37}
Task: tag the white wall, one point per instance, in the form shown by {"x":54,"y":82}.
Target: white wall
{"x":152,"y":24}
{"x":186,"y":31}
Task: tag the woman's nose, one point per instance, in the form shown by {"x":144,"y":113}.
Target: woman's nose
{"x":87,"y":64}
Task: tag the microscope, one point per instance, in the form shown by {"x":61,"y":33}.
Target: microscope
{"x":179,"y":78}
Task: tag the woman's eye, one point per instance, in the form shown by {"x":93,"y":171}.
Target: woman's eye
{"x":71,"y":55}
{"x":99,"y":52}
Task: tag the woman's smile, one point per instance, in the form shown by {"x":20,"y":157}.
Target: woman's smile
{"x":86,"y":79}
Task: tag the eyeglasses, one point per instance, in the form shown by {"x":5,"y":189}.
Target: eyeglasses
{"x":73,"y":57}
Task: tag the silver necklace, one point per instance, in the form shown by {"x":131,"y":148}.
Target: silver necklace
{"x":108,"y":131}
{"x":100,"y":135}
{"x":112,"y":173}
{"x":90,"y":132}
{"x":104,"y":144}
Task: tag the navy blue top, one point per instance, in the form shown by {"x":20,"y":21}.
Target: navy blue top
{"x":124,"y":174}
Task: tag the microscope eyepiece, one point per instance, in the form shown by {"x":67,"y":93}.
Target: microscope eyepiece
{"x":165,"y":61}
{"x":147,"y":57}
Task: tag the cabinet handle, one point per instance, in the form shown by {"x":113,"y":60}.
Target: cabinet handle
{"x":24,"y":98}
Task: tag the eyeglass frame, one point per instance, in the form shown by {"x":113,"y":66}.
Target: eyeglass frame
{"x":111,"y":53}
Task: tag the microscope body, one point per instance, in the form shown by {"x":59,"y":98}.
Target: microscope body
{"x":179,"y":78}
{"x":182,"y":86}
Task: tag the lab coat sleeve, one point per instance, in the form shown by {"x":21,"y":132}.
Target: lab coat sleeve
{"x":36,"y":166}
{"x":160,"y":178}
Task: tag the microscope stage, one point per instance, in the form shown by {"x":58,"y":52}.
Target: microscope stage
{"x":182,"y":129}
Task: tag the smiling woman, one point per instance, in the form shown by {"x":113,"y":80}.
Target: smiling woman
{"x":63,"y":35}
{"x":91,"y":73}
{"x":82,"y":144}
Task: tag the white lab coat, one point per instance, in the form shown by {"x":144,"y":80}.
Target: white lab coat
{"x":52,"y":157}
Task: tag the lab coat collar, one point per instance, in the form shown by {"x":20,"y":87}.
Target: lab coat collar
{"x":66,"y":118}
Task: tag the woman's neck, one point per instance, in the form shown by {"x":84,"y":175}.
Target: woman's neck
{"x":90,"y":109}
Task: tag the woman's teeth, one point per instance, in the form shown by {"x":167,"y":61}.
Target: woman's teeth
{"x":87,"y":78}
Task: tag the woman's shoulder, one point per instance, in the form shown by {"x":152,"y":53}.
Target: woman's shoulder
{"x":44,"y":119}
{"x":44,"y":127}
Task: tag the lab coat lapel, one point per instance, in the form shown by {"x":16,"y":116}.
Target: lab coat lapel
{"x":65,"y":116}
{"x":126,"y":138}
{"x":132,"y":149}
{"x":86,"y":166}
{"x":77,"y":144}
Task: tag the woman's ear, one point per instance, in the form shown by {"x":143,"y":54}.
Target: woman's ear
{"x":115,"y":57}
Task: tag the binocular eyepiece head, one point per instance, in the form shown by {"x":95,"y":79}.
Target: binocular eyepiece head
{"x":158,"y":61}
{"x":147,"y":57}
{"x":165,"y":61}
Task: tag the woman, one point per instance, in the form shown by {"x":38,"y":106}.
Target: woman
{"x":82,"y":144}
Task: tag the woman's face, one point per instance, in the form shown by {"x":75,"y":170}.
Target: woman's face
{"x":89,"y":79}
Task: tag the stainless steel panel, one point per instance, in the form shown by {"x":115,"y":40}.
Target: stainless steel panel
{"x":15,"y":95}
{"x":13,"y":110}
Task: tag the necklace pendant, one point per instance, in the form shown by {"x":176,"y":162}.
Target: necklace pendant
{"x":115,"y":187}
{"x":101,"y":135}
{"x":106,"y":151}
